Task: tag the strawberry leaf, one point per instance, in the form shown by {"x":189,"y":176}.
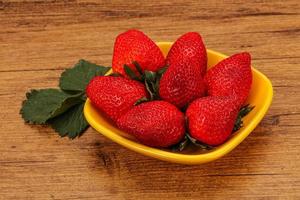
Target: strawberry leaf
{"x":44,"y":104}
{"x":77,"y":78}
{"x":63,"y":108}
{"x":71,"y":123}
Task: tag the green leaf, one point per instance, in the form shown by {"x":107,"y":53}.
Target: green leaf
{"x":198,"y":143}
{"x":138,"y":67}
{"x":152,"y":80}
{"x":71,"y":123}
{"x":131,"y":73}
{"x":77,"y":78}
{"x":162,"y":70}
{"x":150,"y":76}
{"x":141,"y":100}
{"x":245,"y":110}
{"x":44,"y":104}
{"x":158,"y":77}
{"x":181,"y":145}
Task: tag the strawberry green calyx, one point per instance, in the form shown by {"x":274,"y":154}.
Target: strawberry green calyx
{"x":198,"y":143}
{"x":181,"y":145}
{"x":138,"y":67}
{"x":131,"y":73}
{"x":149,"y":78}
{"x":189,"y":140}
{"x":245,"y":110}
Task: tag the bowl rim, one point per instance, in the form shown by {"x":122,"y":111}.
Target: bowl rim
{"x":186,"y":158}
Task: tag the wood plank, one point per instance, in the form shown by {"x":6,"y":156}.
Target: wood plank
{"x":270,"y":146}
{"x":55,"y":37}
{"x":40,"y":38}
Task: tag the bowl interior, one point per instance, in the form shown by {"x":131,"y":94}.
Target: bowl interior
{"x":260,"y":96}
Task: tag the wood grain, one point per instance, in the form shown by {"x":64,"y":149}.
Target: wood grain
{"x":40,"y":38}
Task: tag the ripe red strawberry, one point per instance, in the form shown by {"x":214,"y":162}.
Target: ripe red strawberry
{"x":114,"y":95}
{"x":231,"y":76}
{"x":191,"y":47}
{"x":134,"y":45}
{"x":154,"y":123}
{"x":182,"y":82}
{"x":211,"y":119}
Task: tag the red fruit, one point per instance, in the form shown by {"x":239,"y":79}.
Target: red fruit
{"x":134,"y":45}
{"x":114,"y":95}
{"x":154,"y":123}
{"x":182,"y":82}
{"x":211,"y":119}
{"x":190,"y":47}
{"x":231,"y":76}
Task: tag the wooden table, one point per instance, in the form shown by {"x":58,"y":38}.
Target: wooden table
{"x":40,"y":38}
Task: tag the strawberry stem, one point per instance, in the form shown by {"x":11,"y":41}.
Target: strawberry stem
{"x":141,"y":100}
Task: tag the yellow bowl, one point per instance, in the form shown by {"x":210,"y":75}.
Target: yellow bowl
{"x":260,"y":96}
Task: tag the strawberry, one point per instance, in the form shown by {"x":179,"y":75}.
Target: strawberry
{"x":231,"y":76}
{"x":134,"y":46}
{"x":211,"y":119}
{"x":182,"y":82}
{"x":154,"y":123}
{"x":191,"y":47}
{"x":114,"y":96}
